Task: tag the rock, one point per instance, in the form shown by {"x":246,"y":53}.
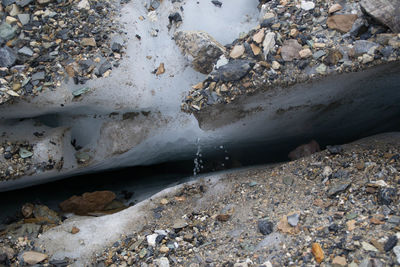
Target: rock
{"x":7,"y":252}
{"x":386,"y":195}
{"x":151,"y":239}
{"x":290,"y":50}
{"x":105,"y":66}
{"x":24,"y":18}
{"x":362,"y":46}
{"x":305,"y":53}
{"x":293,"y":219}
{"x":84,"y":4}
{"x":396,"y":251}
{"x":88,"y":42}
{"x":259,"y":36}
{"x":256,"y":50}
{"x":27,"y":210}
{"x":88,"y":202}
{"x":390,"y":243}
{"x":338,"y":188}
{"x":233,"y":71}
{"x":275,"y":65}
{"x":42,"y":212}
{"x":116,"y":47}
{"x":339,"y":261}
{"x":26,"y":51}
{"x":23,"y":3}
{"x":268,"y":43}
{"x":174,"y":18}
{"x":7,"y":57}
{"x":334,"y":8}
{"x":304,"y":150}
{"x":223,"y":217}
{"x":33,"y":257}
{"x":367,"y":58}
{"x":318,"y":54}
{"x":307,"y":5}
{"x":43,"y":2}
{"x":394,"y":220}
{"x":265,"y":227}
{"x":74,"y":230}
{"x":368,"y":247}
{"x":237,"y":51}
{"x":342,"y":23}
{"x":333,"y":57}
{"x":327,"y":171}
{"x":200,"y":46}
{"x":164,"y":249}
{"x":386,"y":12}
{"x":351,"y":225}
{"x":241,"y":264}
{"x":321,"y":69}
{"x":38,"y":76}
{"x":216,"y":3}
{"x":7,"y":32}
{"x":334,"y":149}
{"x":160,"y":69}
{"x":317,"y":252}
{"x":76,"y":93}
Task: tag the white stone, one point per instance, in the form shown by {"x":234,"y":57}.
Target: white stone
{"x":368,"y":247}
{"x":221,"y":62}
{"x":162,"y":262}
{"x":151,"y":239}
{"x":237,"y":51}
{"x":396,"y":251}
{"x":367,"y":58}
{"x":327,"y":171}
{"x":269,"y":43}
{"x":84,"y":4}
{"x":267,"y":264}
{"x":275,"y":65}
{"x":307,"y":5}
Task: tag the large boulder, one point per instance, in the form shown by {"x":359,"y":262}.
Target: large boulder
{"x":385,"y":11}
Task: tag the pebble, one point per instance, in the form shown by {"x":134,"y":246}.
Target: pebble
{"x":7,"y":57}
{"x":321,"y":69}
{"x":390,"y":243}
{"x":396,"y":251}
{"x":338,"y":188}
{"x":305,"y":53}
{"x":237,"y":51}
{"x":342,"y":23}
{"x":162,"y":262}
{"x":339,"y":261}
{"x":368,"y":247}
{"x":265,"y":227}
{"x":26,"y":51}
{"x":334,"y":8}
{"x":234,"y":70}
{"x":293,"y":219}
{"x":33,"y":257}
{"x":259,"y":36}
{"x":317,"y":252}
{"x":307,"y":5}
{"x":290,"y":50}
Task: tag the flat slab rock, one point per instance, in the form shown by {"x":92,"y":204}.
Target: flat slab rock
{"x":386,"y":12}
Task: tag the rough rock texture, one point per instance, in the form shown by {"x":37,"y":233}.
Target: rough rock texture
{"x":342,"y":23}
{"x":88,"y":202}
{"x":385,"y":11}
{"x":202,"y":47}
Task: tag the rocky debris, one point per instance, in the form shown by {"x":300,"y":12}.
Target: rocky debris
{"x":88,"y":202}
{"x":304,"y":150}
{"x":384,"y":11}
{"x":33,"y":257}
{"x":48,"y":37}
{"x":301,"y":41}
{"x":232,"y":71}
{"x":201,"y":48}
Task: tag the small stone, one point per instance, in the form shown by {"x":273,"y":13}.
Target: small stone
{"x":386,"y":195}
{"x":216,"y":3}
{"x":342,"y":23}
{"x":394,"y":220}
{"x":84,"y":4}
{"x":80,"y":91}
{"x":319,"y":54}
{"x":305,"y":53}
{"x":24,"y":18}
{"x":237,"y":51}
{"x":293,"y":33}
{"x":351,"y":225}
{"x":334,"y":150}
{"x":338,"y":188}
{"x":390,"y":243}
{"x":7,"y":32}
{"x":268,"y":43}
{"x":151,"y":239}
{"x":259,"y":36}
{"x":256,"y":50}
{"x":142,"y":253}
{"x":265,"y":227}
{"x":27,"y":210}
{"x":396,"y":251}
{"x":33,"y":257}
{"x":26,"y":51}
{"x":293,"y":219}
{"x":233,"y":71}
{"x":307,"y":5}
{"x":75,"y":230}
{"x":164,"y":249}
{"x":333,"y":57}
{"x":367,"y":58}
{"x":275,"y":65}
{"x":116,"y":47}
{"x":38,"y":76}
{"x":162,"y":262}
{"x":223,"y":217}
{"x":339,"y":261}
{"x":368,"y":247}
{"x":327,"y":171}
{"x":42,"y":2}
{"x":88,"y":42}
{"x":317,"y":252}
{"x":319,"y":45}
{"x":88,"y":202}
{"x":384,"y":11}
{"x":160,"y":69}
{"x":290,"y":50}
{"x":11,"y":20}
{"x":164,"y":201}
{"x":321,"y":69}
{"x":188,"y":237}
{"x":23,"y":153}
{"x":334,"y":8}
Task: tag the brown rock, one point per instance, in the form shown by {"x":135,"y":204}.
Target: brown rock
{"x":333,"y":57}
{"x":317,"y":252}
{"x":304,"y":150}
{"x":351,"y":225}
{"x":342,"y":23}
{"x":259,"y":36}
{"x":256,"y":50}
{"x":223,"y":217}
{"x":290,"y":50}
{"x":339,"y":261}
{"x":33,"y":257}
{"x":160,"y":69}
{"x":305,"y":53}
{"x":334,"y":8}
{"x":74,"y":230}
{"x":88,"y":42}
{"x":286,"y":228}
{"x":237,"y":51}
{"x":88,"y":202}
{"x":27,"y":210}
{"x":386,"y":12}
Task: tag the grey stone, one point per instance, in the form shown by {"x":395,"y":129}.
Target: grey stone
{"x":201,"y":48}
{"x":103,"y":68}
{"x":265,"y":227}
{"x":338,"y":188}
{"x":318,"y":54}
{"x":38,"y":76}
{"x":7,"y":2}
{"x":26,"y":51}
{"x":24,"y":18}
{"x":363,"y":46}
{"x":293,"y":219}
{"x":23,"y":3}
{"x":386,"y":12}
{"x":7,"y":57}
{"x":233,"y":71}
{"x":396,"y":251}
{"x":394,"y":220}
{"x":270,"y":241}
{"x":7,"y":32}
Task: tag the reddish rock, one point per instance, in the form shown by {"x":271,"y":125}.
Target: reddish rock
{"x":88,"y":202}
{"x":304,"y":150}
{"x":317,"y":252}
{"x":342,"y":23}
